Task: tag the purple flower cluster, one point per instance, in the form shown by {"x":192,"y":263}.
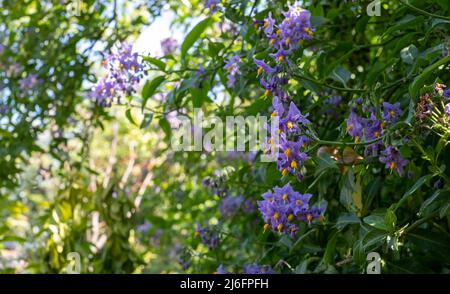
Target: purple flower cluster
{"x":393,"y":160}
{"x":290,"y":33}
{"x":371,"y":128}
{"x":124,"y":72}
{"x":229,"y":205}
{"x":169,"y":45}
{"x":232,"y":67}
{"x":447,"y":110}
{"x":29,"y":82}
{"x":208,"y":235}
{"x":285,"y":38}
{"x":293,"y":130}
{"x":283,"y":207}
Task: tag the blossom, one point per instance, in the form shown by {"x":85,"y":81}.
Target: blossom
{"x":29,"y":82}
{"x":221,"y":271}
{"x":268,"y":24}
{"x":232,"y":66}
{"x":291,"y":157}
{"x":355,"y":125}
{"x":229,"y":205}
{"x":255,"y":269}
{"x":248,"y":206}
{"x":208,"y":235}
{"x":283,"y":207}
{"x":169,"y":45}
{"x":263,"y":67}
{"x":4,"y":109}
{"x":391,"y":112}
{"x":447,"y":110}
{"x":212,"y":5}
{"x":393,"y":160}
{"x":289,"y":123}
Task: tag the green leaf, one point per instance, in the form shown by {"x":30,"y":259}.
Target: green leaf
{"x":156,"y":62}
{"x":150,"y":88}
{"x":411,"y":190}
{"x":346,"y":219}
{"x":165,"y":126}
{"x":130,"y":116}
{"x":148,"y":117}
{"x":193,"y":35}
{"x":376,"y":221}
{"x":340,"y":74}
{"x":390,"y":220}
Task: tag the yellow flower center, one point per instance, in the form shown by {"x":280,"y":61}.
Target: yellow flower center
{"x":392,"y":165}
{"x":377,"y":134}
{"x":291,"y":217}
{"x":290,"y":125}
{"x":284,"y":172}
{"x":266,"y":227}
{"x":260,"y":70}
{"x":284,"y":197}
{"x":267,"y":93}
{"x":274,"y":114}
{"x":276,"y":216}
{"x":309,"y":217}
{"x":288,"y":40}
{"x":298,"y":202}
{"x":281,"y":58}
{"x":357,"y":139}
{"x":392,"y":113}
{"x":287,"y":152}
{"x":280,"y":227}
{"x":294,"y":164}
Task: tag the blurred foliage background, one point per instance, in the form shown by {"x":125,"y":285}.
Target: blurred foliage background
{"x":103,"y":182}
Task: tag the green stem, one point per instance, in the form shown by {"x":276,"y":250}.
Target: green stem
{"x":406,"y":3}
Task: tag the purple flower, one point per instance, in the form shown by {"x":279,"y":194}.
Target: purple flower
{"x":447,"y":110}
{"x":232,"y":66}
{"x":355,"y":126}
{"x":208,"y":235}
{"x":29,"y":82}
{"x":229,"y":205}
{"x":212,"y":5}
{"x":391,"y":112}
{"x":4,"y":109}
{"x":255,"y":269}
{"x":269,"y":22}
{"x":373,"y":128}
{"x":169,"y":45}
{"x":221,"y":271}
{"x":143,"y":228}
{"x":393,"y":160}
{"x":289,"y":123}
{"x":263,"y":67}
{"x":446,"y":94}
{"x":249,"y":206}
